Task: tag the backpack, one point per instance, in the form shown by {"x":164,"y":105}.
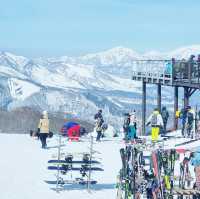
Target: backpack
{"x":104,"y":126}
{"x":190,"y":117}
{"x":154,"y":120}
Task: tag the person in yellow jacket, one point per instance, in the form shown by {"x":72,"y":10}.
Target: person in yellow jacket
{"x":156,"y":122}
{"x":43,"y":128}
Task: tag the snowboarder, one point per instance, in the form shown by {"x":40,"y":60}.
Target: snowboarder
{"x":98,"y":124}
{"x":165,"y":116}
{"x":132,"y":126}
{"x":156,"y":122}
{"x":43,"y":128}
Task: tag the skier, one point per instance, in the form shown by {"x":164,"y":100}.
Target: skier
{"x":156,"y":122}
{"x":126,"y":125}
{"x":43,"y":128}
{"x":190,"y":121}
{"x":183,"y":117}
{"x":98,"y":123}
{"x":132,"y":126}
{"x":165,"y":116}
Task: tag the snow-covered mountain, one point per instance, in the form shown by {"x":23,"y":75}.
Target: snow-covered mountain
{"x":79,"y":84}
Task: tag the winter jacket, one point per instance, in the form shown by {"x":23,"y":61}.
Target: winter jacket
{"x":195,"y":160}
{"x":165,"y":115}
{"x":168,"y":68}
{"x":98,"y":119}
{"x":159,"y":120}
{"x":132,"y":119}
{"x":190,"y":116}
{"x":44,"y":124}
{"x":183,"y":115}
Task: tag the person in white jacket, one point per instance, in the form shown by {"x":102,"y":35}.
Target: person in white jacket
{"x":156,"y":122}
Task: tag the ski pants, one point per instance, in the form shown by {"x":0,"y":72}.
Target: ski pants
{"x":131,"y":132}
{"x":99,"y":135}
{"x":165,"y":127}
{"x":155,"y":133}
{"x":43,"y":138}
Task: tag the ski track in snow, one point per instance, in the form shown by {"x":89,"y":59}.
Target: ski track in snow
{"x":23,"y":169}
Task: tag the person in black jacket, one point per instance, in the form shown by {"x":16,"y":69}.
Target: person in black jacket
{"x":165,"y":117}
{"x":98,"y":124}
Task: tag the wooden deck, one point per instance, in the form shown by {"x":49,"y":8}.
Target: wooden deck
{"x":154,"y":72}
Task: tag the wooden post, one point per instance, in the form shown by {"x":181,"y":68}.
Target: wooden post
{"x":143,"y":107}
{"x":159,"y":97}
{"x":175,"y":107}
{"x":186,"y":97}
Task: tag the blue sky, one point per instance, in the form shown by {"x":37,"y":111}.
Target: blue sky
{"x":73,"y":27}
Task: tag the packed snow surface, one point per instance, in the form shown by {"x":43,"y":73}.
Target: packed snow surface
{"x":24,"y":163}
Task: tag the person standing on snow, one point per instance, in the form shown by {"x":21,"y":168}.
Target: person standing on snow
{"x":43,"y":128}
{"x":98,"y":123}
{"x":156,"y":122}
{"x":190,"y":121}
{"x":183,"y":117}
{"x":126,"y":126}
{"x":132,"y":126}
{"x":165,"y":117}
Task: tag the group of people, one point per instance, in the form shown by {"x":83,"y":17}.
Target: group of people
{"x":182,"y":68}
{"x":157,"y":121}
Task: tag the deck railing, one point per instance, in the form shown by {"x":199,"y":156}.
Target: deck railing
{"x":166,"y":71}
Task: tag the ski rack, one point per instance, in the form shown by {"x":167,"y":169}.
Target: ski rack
{"x":165,"y":161}
{"x":88,"y":182}
{"x":89,"y":175}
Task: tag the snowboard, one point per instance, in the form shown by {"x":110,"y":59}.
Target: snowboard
{"x":73,"y":162}
{"x":76,"y":181}
{"x":74,"y":168}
